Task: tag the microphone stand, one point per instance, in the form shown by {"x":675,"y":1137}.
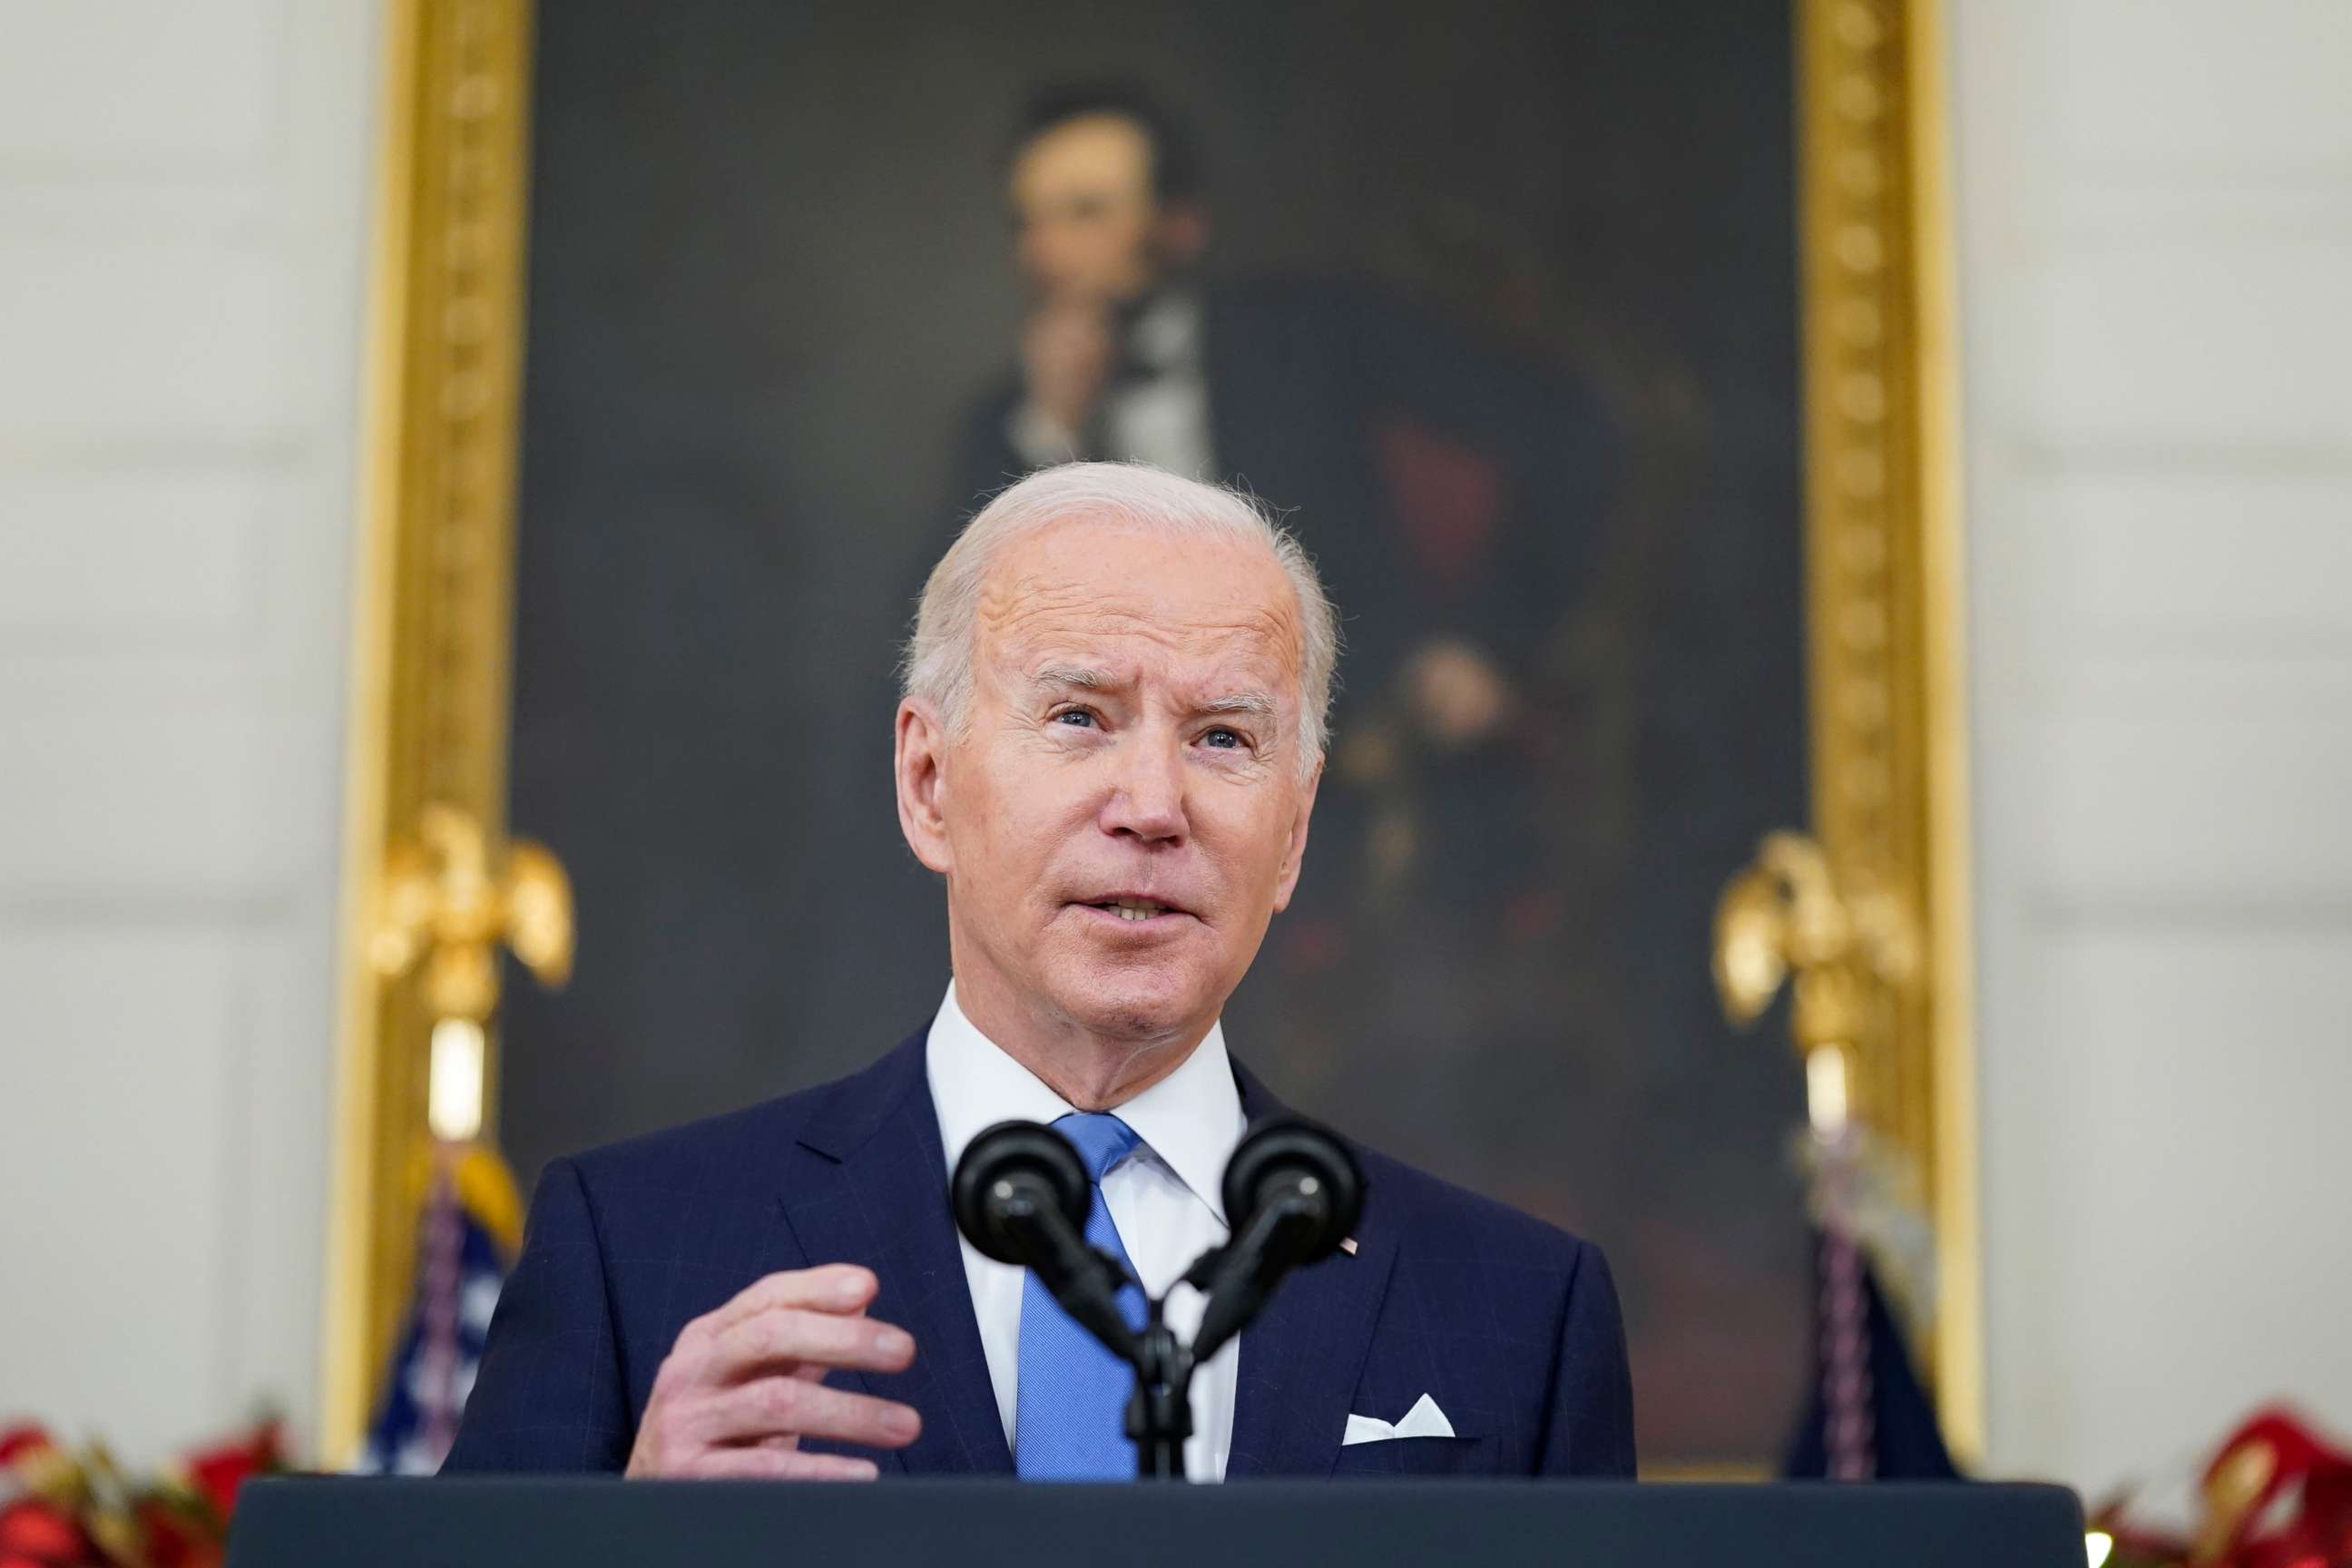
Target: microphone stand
{"x":1160,"y":1413}
{"x":1084,"y":1280}
{"x":1236,"y":1276}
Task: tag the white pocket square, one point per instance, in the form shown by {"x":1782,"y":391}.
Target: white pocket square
{"x":1423,"y":1420}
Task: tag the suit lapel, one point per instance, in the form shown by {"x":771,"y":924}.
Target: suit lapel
{"x":1300,"y":1362}
{"x":870,"y":1187}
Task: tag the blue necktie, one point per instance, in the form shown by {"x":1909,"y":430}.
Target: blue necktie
{"x":1069,"y":1420}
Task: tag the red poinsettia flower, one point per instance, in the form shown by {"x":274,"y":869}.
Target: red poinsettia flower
{"x":217,"y":1473}
{"x":174,"y":1539}
{"x":39,"y":1532}
{"x":20,"y":1439}
{"x":18,"y":1442}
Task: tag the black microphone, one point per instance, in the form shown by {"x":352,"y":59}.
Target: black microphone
{"x":1021,"y":1196}
{"x":1293,"y":1192}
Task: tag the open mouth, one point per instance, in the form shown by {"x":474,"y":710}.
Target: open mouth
{"x":1133,"y":909}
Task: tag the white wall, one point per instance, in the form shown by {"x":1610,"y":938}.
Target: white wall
{"x":2156,"y":270}
{"x":182,"y":191}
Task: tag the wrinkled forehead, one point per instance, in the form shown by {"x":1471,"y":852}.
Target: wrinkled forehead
{"x":1139,"y":605}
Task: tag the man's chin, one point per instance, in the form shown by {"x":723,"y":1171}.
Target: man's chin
{"x":1143,"y":1003}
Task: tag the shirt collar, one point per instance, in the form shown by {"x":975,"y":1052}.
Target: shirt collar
{"x":1191,"y":1120}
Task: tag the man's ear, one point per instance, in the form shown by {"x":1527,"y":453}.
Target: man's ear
{"x":1295,"y":854}
{"x":920,"y":766}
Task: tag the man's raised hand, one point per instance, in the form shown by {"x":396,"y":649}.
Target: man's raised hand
{"x":741,"y":1386}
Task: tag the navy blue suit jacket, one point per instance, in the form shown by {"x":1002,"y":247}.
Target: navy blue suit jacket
{"x":1510,"y":1324}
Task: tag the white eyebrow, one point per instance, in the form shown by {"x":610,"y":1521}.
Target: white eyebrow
{"x":1257,"y":704}
{"x":1067,"y":675}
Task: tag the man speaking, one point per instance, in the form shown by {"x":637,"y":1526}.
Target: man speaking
{"x":1109,"y":748}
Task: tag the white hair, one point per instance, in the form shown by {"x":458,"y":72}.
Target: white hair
{"x":938,"y":657}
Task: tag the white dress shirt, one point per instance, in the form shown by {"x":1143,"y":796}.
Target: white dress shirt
{"x":1164,"y":1199}
{"x":1161,"y":418}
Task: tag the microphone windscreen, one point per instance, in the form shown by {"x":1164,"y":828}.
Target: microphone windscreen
{"x":1008,"y":1161}
{"x":1278,"y":1155}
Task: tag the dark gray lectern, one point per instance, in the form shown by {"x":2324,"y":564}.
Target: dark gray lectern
{"x":524,"y":1523}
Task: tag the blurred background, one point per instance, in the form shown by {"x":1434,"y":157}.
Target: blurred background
{"x":2152,"y":209}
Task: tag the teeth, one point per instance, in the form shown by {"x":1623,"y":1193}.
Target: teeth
{"x":1133,"y":909}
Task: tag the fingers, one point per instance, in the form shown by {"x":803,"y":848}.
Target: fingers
{"x":778,"y":1406}
{"x":788,"y":1339}
{"x":780,"y":1465}
{"x":840,"y":1288}
{"x":750,"y":1373}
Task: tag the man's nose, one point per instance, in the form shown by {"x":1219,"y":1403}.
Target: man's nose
{"x":1147,"y":793}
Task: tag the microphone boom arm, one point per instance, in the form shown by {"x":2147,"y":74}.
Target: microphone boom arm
{"x":1239,"y":1277}
{"x":1084,"y":1281}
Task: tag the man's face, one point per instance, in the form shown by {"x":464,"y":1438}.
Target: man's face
{"x":1087,"y":224}
{"x":1127,"y":811}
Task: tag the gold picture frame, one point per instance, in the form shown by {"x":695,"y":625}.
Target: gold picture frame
{"x":434,"y":599}
{"x":432,"y":612}
{"x":1884,"y":597}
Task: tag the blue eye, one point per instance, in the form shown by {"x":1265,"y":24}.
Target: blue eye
{"x":1076,"y":718}
{"x":1224,"y":740}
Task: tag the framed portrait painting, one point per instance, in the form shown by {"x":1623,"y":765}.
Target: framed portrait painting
{"x":1593,"y":352}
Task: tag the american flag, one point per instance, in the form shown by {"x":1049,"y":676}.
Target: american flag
{"x":464,"y":1245}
